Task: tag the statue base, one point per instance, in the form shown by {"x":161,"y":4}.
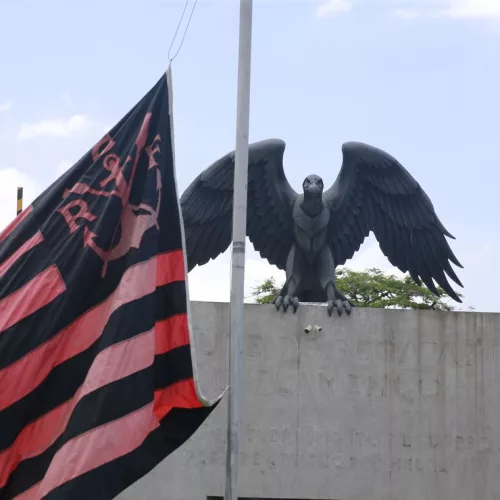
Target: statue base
{"x":381,"y":405}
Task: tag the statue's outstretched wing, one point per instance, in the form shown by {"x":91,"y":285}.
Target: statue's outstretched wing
{"x":207,"y":207}
{"x":374,"y":192}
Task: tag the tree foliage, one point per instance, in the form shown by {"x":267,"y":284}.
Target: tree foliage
{"x":266,"y":292}
{"x":372,"y":288}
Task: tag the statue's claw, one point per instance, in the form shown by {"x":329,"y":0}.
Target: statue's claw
{"x":340,"y":306}
{"x":278,"y":301}
{"x":337,"y":300}
{"x":347,"y":307}
{"x":329,"y":307}
{"x":286,"y":302}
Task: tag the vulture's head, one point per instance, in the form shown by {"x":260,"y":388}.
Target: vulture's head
{"x":313,"y":186}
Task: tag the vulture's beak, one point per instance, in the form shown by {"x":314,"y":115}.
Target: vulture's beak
{"x":313,"y":188}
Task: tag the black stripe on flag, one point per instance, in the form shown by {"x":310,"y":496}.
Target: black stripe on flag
{"x":99,"y":339}
{"x":64,"y":380}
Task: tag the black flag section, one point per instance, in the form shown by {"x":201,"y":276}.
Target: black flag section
{"x":96,"y":374}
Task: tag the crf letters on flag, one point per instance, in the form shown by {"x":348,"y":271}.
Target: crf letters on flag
{"x":96,"y":373}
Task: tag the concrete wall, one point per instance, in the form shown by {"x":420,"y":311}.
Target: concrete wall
{"x":384,"y":405}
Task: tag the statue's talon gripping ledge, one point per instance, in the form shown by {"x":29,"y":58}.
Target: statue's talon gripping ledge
{"x":337,"y":300}
{"x":285,"y":302}
{"x":340,"y":306}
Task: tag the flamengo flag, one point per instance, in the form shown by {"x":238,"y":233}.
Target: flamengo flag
{"x":96,"y":369}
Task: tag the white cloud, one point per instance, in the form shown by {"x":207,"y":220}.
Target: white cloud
{"x":479,"y":9}
{"x":5,"y":106}
{"x":211,"y":281}
{"x":333,"y":7}
{"x":413,"y":9}
{"x":453,"y":9}
{"x":59,"y":128}
{"x":10,"y":180}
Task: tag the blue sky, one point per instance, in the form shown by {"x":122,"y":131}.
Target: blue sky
{"x":419,"y":79}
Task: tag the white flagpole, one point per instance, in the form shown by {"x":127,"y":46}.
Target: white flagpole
{"x":236,"y":332}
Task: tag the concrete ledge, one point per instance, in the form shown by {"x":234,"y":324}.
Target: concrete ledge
{"x":382,"y":405}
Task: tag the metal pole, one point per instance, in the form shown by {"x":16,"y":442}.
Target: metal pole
{"x":236,"y":329}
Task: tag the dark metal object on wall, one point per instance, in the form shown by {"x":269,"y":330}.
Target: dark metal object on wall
{"x":308,"y":235}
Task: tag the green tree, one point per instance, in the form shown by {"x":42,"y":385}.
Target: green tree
{"x":372,"y":288}
{"x":266,"y":292}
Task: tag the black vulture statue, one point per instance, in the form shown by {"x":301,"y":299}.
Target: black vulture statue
{"x":308,"y":235}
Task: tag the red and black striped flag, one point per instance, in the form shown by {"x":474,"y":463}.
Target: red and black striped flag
{"x":96,"y":375}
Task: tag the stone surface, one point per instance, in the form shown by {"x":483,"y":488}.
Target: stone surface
{"x":382,"y":405}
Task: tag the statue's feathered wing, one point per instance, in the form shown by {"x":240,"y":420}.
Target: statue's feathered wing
{"x":374,"y":192}
{"x":207,"y":207}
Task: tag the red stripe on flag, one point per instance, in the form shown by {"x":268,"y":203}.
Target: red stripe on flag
{"x":25,"y":247}
{"x":112,"y":364}
{"x":170,"y":268}
{"x":110,"y":441}
{"x":21,"y":377}
{"x":171,"y":333}
{"x":95,"y":448}
{"x":34,"y":295}
{"x":15,"y":223}
{"x":179,"y":395}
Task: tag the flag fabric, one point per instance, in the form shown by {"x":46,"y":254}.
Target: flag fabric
{"x":96,"y":367}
